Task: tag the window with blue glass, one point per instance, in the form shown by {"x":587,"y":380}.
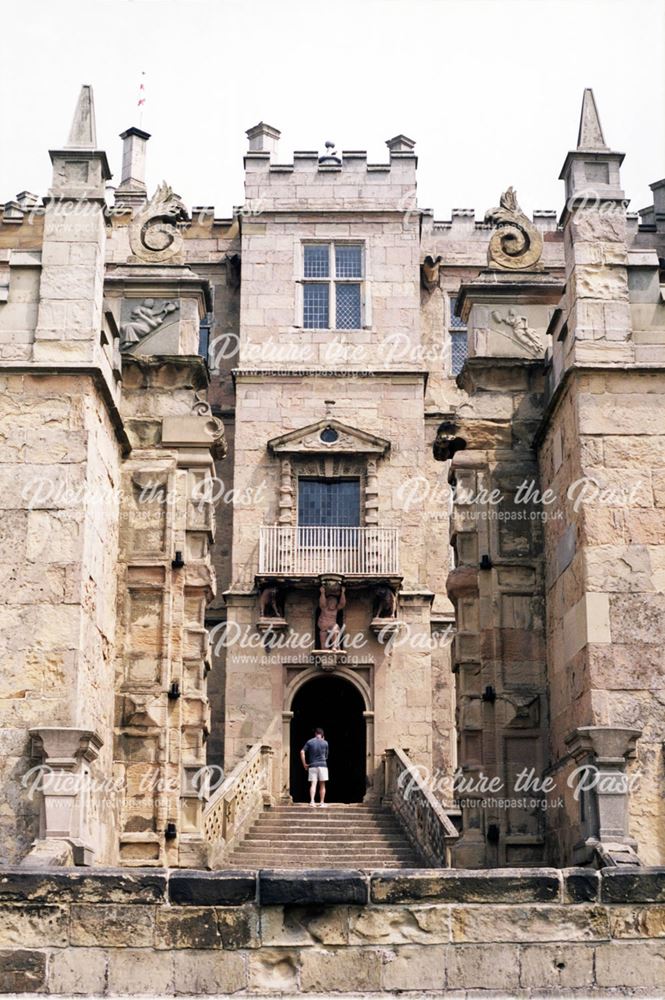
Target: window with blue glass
{"x":332,"y":286}
{"x":458,"y":338}
{"x":204,"y":336}
{"x":331,"y":502}
{"x":316,"y":306}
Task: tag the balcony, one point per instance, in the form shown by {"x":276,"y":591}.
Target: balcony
{"x":318,"y":550}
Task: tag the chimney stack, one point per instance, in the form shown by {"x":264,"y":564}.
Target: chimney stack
{"x":132,"y":190}
{"x":263,"y":138}
{"x":401,"y":144}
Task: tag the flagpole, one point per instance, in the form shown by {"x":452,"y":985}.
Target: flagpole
{"x":141,"y":100}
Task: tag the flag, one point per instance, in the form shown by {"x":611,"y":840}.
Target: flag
{"x":141,"y":101}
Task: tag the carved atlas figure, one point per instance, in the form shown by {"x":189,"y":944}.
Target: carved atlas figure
{"x":329,"y":606}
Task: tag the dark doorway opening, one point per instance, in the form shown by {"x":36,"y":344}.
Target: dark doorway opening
{"x":337,"y":706}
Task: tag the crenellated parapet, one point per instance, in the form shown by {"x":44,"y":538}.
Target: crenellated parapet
{"x":330,"y":182}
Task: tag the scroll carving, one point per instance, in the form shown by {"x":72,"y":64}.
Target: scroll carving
{"x":154,"y":235}
{"x":214,"y":426}
{"x":516,"y":245}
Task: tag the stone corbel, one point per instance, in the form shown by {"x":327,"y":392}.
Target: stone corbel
{"x":65,"y":754}
{"x":606,"y":749}
{"x":329,"y":659}
{"x":197,"y":436}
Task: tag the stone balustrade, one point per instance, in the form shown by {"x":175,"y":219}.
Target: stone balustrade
{"x":237,"y":802}
{"x":422,"y":816}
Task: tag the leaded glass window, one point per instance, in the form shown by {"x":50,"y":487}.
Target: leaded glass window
{"x":333,"y":502}
{"x":333,"y":286}
{"x":458,"y":338}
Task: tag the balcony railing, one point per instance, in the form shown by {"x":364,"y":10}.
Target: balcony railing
{"x":318,"y":549}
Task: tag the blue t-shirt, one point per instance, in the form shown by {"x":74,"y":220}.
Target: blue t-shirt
{"x":316,"y":752}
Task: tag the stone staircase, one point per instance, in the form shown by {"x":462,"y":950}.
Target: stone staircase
{"x":337,"y":836}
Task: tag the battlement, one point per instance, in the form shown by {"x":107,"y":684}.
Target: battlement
{"x":329,"y":181}
{"x":465,"y":219}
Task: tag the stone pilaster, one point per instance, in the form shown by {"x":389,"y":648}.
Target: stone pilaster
{"x":166,"y":581}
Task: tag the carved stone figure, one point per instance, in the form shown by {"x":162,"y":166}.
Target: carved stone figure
{"x":522,"y":333}
{"x":516,"y":245}
{"x":386,"y":602}
{"x":144,"y":319}
{"x":429,"y":272}
{"x":329,"y":630}
{"x":154,"y":234}
{"x":270,"y":603}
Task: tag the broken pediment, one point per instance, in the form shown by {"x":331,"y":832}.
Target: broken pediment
{"x":329,"y":435}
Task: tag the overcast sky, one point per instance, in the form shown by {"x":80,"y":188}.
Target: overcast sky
{"x":489,"y":89}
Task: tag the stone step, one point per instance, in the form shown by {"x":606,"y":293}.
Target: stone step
{"x":328,"y":812}
{"x":338,"y":836}
{"x":327,"y":828}
{"x":298,"y":866}
{"x":342,"y":812}
{"x":362,"y":864}
{"x":302,"y":857}
{"x":337,"y":807}
{"x":313,"y":840}
{"x":338,"y":855}
{"x":327,"y":815}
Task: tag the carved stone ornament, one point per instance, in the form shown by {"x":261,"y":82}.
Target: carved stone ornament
{"x":329,"y":435}
{"x":148,"y":316}
{"x":384,"y":621}
{"x":385,"y":602}
{"x":154,"y":234}
{"x":429,"y":272}
{"x":521,"y":331}
{"x":516,"y":245}
{"x":271,"y":603}
{"x":214,"y":426}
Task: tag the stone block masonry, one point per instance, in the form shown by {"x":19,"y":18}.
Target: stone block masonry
{"x":109,"y":932}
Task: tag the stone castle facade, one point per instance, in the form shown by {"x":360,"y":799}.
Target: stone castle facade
{"x":451,"y":433}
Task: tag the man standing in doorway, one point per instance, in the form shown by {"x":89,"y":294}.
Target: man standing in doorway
{"x":314,"y":757}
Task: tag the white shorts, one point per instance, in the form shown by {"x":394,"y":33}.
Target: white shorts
{"x":318,"y":774}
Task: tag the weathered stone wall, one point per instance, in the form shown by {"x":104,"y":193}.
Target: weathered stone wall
{"x":605,"y":561}
{"x":600,"y":455}
{"x":60,"y":530}
{"x":401,"y":684}
{"x":558,"y":933}
{"x":376,"y":377}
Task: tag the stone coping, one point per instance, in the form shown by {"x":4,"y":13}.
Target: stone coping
{"x":270,"y":887}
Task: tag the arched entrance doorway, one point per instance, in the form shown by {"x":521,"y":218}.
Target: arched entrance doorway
{"x":336,"y":705}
